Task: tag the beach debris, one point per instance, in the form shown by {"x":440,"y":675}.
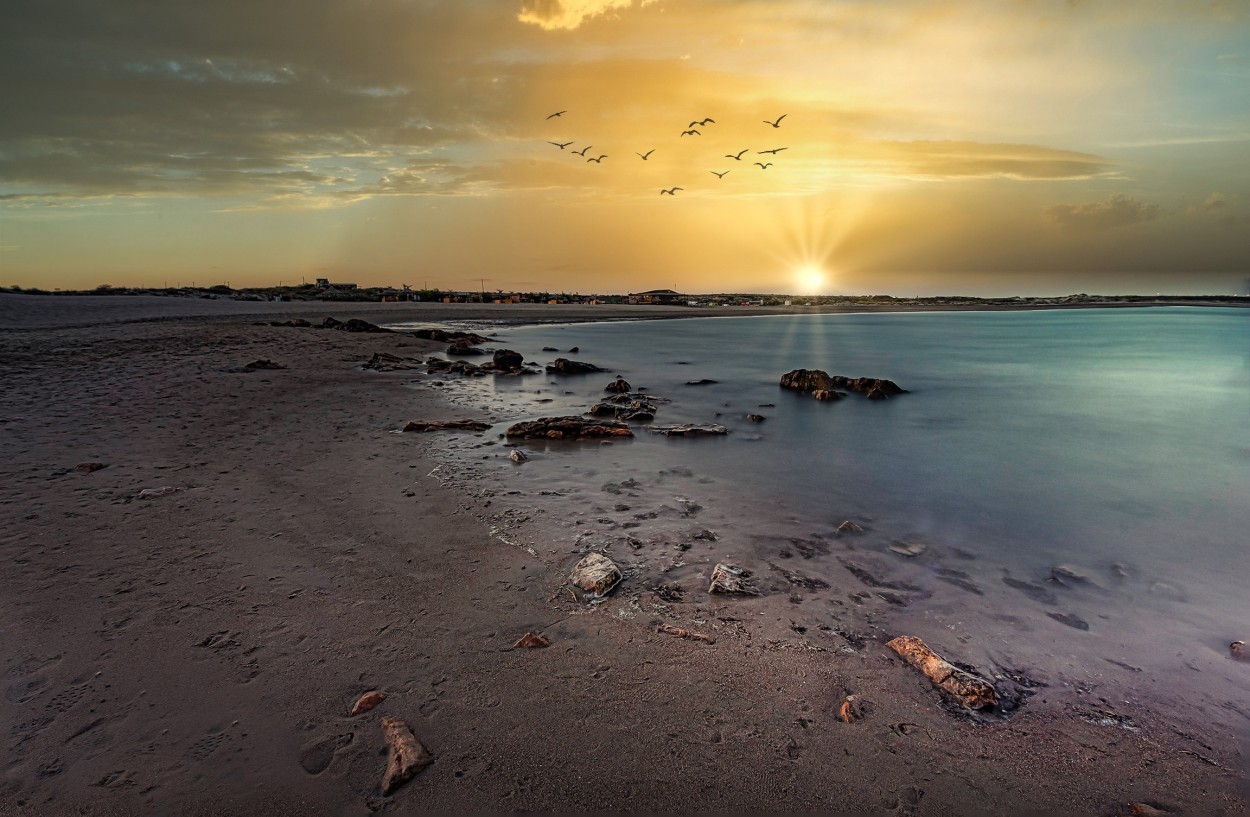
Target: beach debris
{"x":596,"y":574}
{"x":849,"y":711}
{"x":89,"y":467}
{"x":690,"y":430}
{"x":1238,"y":650}
{"x":506,"y":360}
{"x":756,"y":418}
{"x":620,"y":386}
{"x":1071,"y":619}
{"x":445,"y":425}
{"x":563,"y":365}
{"x":384,"y":362}
{"x":407,"y":755}
{"x":681,"y":632}
{"x":816,"y":381}
{"x":702,"y":382}
{"x":152,"y":493}
{"x":366,"y":702}
{"x":518,"y":455}
{"x":849,"y":527}
{"x":568,"y":428}
{"x":443,"y":336}
{"x":731,"y":580}
{"x":531,"y":641}
{"x":973,"y":692}
{"x":908,"y":549}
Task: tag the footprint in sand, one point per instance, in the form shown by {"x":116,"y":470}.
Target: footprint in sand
{"x":317,"y":755}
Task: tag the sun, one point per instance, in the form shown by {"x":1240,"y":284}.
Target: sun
{"x":811,"y":279}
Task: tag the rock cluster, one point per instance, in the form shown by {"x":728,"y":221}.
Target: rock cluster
{"x":446,"y":425}
{"x":568,"y":428}
{"x":824,"y":386}
{"x":563,"y":365}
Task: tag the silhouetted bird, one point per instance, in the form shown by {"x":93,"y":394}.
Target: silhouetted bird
{"x":557,"y":113}
{"x":561,"y":145}
{"x":764,"y":165}
{"x":773,"y":151}
{"x":702,"y":122}
{"x":738,"y":155}
{"x":672,"y":191}
{"x":718,"y":175}
{"x":777,"y":122}
{"x":691,"y":132}
{"x":598,"y":160}
{"x":645,"y":155}
{"x":582,"y":152}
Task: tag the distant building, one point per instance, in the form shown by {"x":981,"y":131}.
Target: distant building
{"x":656,"y":296}
{"x":324,"y":283}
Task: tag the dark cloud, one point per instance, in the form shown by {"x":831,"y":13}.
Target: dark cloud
{"x":1118,"y":210}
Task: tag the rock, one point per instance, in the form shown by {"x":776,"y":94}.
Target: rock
{"x":445,"y":425}
{"x":438,"y":364}
{"x":1238,"y":650}
{"x":731,"y":580}
{"x":357,"y":325}
{"x":827,"y":395}
{"x":690,"y":430}
{"x":331,"y":323}
{"x":563,"y":365}
{"x":1144,"y":810}
{"x":462,"y":348}
{"x":620,"y":385}
{"x":366,"y":702}
{"x":518,"y":455}
{"x":1065,"y":574}
{"x":973,"y":692}
{"x":443,"y":336}
{"x":603,"y":410}
{"x":807,"y":380}
{"x":873,"y":388}
{"x":407,"y":755}
{"x":575,"y":350}
{"x":848,"y":527}
{"x":704,"y":382}
{"x":756,"y":418}
{"x":152,"y":493}
{"x":383,"y":362}
{"x":89,"y":467}
{"x":259,"y":365}
{"x":506,"y":360}
{"x":550,"y":349}
{"x":681,"y":632}
{"x":908,"y":549}
{"x":568,"y":428}
{"x":300,"y":322}
{"x":531,"y":641}
{"x":1033,"y":591}
{"x":849,"y":711}
{"x":596,"y":574}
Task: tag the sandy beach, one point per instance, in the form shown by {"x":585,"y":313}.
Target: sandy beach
{"x":197,"y":652}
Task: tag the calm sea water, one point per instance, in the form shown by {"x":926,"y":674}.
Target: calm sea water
{"x":1116,"y":442}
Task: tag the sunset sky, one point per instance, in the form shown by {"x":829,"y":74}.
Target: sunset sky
{"x":993,"y":148}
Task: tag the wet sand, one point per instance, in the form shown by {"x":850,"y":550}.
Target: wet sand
{"x":197,"y":652}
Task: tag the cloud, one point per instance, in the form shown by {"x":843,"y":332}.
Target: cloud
{"x":1216,"y":202}
{"x":953,"y":160}
{"x":1118,"y":210}
{"x":568,"y":14}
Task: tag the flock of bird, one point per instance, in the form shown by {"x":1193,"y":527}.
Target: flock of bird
{"x":691,"y":130}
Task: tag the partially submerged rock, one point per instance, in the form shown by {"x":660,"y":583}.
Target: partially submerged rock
{"x":596,"y":574}
{"x":568,"y":428}
{"x":731,"y":580}
{"x":823,"y":386}
{"x":446,"y":425}
{"x":443,"y":336}
{"x":807,"y":380}
{"x":620,"y":386}
{"x":563,"y":365}
{"x":438,"y":364}
{"x":357,"y":325}
{"x":704,"y":381}
{"x":506,"y":360}
{"x":971,"y":691}
{"x":366,"y":702}
{"x":407,"y":755}
{"x":518,"y":455}
{"x":690,"y":430}
{"x":636,"y":410}
{"x":462,"y":348}
{"x":849,"y":527}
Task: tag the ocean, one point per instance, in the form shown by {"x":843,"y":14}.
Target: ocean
{"x":1066,"y":490}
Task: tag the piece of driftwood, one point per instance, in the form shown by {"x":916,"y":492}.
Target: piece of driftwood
{"x":407,"y":755}
{"x":367,"y":701}
{"x":971,"y":691}
{"x":681,"y":632}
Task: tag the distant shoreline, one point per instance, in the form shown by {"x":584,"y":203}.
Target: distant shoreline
{"x":19,"y":311}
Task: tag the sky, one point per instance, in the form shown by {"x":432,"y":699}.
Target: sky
{"x":926,"y":147}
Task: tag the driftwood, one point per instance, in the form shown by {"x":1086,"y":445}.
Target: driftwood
{"x":446,"y":425}
{"x":972,"y":692}
{"x":407,"y":755}
{"x":367,"y":701}
{"x":681,"y":632}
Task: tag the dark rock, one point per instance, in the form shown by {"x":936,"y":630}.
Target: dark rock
{"x":550,"y":349}
{"x":259,"y":365}
{"x":596,"y":574}
{"x":507,"y":360}
{"x":443,"y":336}
{"x":574,"y":350}
{"x":756,"y":418}
{"x":563,"y":365}
{"x":446,"y":425}
{"x":568,"y":428}
{"x":871,"y":387}
{"x":331,"y":323}
{"x":383,"y":362}
{"x":1070,"y":619}
{"x":357,"y":325}
{"x":827,"y":394}
{"x":438,"y":364}
{"x":690,"y":430}
{"x":1033,"y":591}
{"x":807,"y":380}
{"x":464,"y":348}
{"x":823,"y":386}
{"x":298,"y":322}
{"x":620,"y":386}
{"x":89,"y":467}
{"x":703,"y":382}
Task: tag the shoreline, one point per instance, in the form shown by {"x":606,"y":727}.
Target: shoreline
{"x":198,"y":651}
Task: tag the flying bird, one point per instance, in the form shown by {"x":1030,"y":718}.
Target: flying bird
{"x":582,"y":152}
{"x":672,"y":191}
{"x":557,"y":113}
{"x":691,"y":131}
{"x":777,"y":122}
{"x":738,"y":155}
{"x":702,"y":122}
{"x":764,"y":165}
{"x":599,"y":159}
{"x":718,"y":175}
{"x":774,"y":151}
{"x":645,"y":155}
{"x":561,"y":145}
